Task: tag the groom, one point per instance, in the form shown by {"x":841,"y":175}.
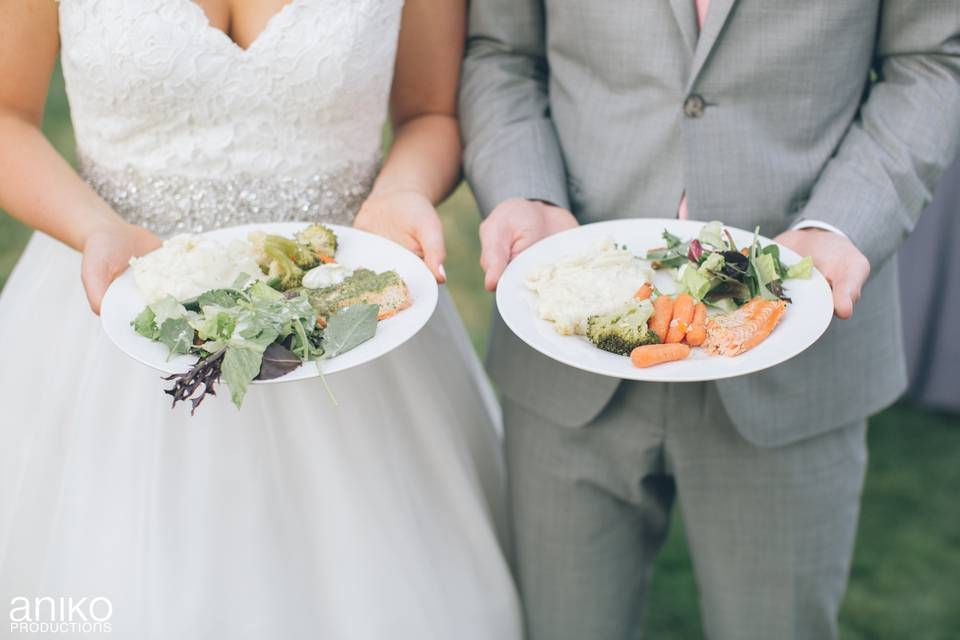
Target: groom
{"x":825,"y":122}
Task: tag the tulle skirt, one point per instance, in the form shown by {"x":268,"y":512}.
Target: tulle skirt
{"x":291,"y":518}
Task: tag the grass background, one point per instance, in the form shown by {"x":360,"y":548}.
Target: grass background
{"x":905,"y":582}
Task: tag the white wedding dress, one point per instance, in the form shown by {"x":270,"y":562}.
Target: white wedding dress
{"x":291,"y":518}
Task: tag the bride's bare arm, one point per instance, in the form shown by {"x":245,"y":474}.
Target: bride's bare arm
{"x":424,"y":162}
{"x":426,"y":149}
{"x":37,"y":186}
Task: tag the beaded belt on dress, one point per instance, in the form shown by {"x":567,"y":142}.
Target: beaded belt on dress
{"x":168,"y":204}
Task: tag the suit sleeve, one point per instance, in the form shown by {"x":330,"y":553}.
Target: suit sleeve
{"x":906,"y":134}
{"x":511,"y":146}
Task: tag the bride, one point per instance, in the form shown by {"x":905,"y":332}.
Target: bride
{"x":290,"y":518}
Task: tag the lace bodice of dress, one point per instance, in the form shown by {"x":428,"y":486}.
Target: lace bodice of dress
{"x":180,"y":128}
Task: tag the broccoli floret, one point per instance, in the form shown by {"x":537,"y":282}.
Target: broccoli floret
{"x":282,"y":268}
{"x":285,"y":260}
{"x":320,"y":239}
{"x":623,"y":330}
{"x":282,"y":259}
{"x":302,"y":255}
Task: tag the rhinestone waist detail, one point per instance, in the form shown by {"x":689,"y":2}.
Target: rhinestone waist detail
{"x":171,"y":204}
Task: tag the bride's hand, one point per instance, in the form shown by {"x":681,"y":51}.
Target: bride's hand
{"x":407,"y":218}
{"x":107,"y":253}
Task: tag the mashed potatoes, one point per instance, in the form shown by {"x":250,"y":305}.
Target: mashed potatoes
{"x":187,"y":265}
{"x":597,"y":281}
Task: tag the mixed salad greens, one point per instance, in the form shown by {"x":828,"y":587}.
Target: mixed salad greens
{"x":713,"y":269}
{"x":248,"y":332}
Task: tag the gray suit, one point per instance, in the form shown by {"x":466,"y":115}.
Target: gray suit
{"x":615,"y":108}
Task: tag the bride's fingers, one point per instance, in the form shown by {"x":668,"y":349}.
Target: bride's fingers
{"x":407,"y":240}
{"x":412,"y":244}
{"x":95,"y":279}
{"x":434,"y":253}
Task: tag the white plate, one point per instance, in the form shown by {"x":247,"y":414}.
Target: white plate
{"x":803,"y":323}
{"x":356,"y":248}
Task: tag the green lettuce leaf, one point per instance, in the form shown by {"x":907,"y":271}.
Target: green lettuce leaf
{"x":766,"y":268}
{"x":695,"y":282}
{"x":348,"y":328}
{"x":801,"y":270}
{"x":241,"y":364}
{"x":671,"y":240}
{"x":260,"y":290}
{"x":219,"y":297}
{"x":215,"y":323}
{"x":713,"y":263}
{"x":177,"y":335}
{"x":281,"y":315}
{"x":241,"y":282}
{"x":762,"y":269}
{"x":166,"y":308}
{"x":774,"y":251}
{"x":712,"y":234}
{"x":726,"y":305}
{"x":145,"y":324}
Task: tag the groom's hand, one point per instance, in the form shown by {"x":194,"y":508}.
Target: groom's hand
{"x":838,"y":259}
{"x":512,"y":227}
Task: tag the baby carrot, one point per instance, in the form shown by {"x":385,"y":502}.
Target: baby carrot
{"x":651,"y":354}
{"x":662,"y":314}
{"x":682,"y":317}
{"x":697,"y":332}
{"x":644,"y":292}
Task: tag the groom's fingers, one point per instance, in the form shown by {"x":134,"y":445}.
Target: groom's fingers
{"x":842,"y":302}
{"x":496,"y":262}
{"x":847,"y":278}
{"x":495,"y":241}
{"x":846,"y":293}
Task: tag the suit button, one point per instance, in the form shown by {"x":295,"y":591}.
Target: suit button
{"x":693,"y":106}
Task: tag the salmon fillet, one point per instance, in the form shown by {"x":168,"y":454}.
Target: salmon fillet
{"x":734,"y":333}
{"x":387,"y":289}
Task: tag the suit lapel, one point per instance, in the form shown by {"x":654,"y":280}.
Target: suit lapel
{"x":716,"y":19}
{"x":686,"y":14}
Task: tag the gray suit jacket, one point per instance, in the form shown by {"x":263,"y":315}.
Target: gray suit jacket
{"x":839,"y":111}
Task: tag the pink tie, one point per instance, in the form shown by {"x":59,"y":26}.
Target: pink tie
{"x":702,"y":6}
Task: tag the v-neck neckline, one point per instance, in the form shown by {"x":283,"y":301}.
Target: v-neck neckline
{"x":223,"y":35}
